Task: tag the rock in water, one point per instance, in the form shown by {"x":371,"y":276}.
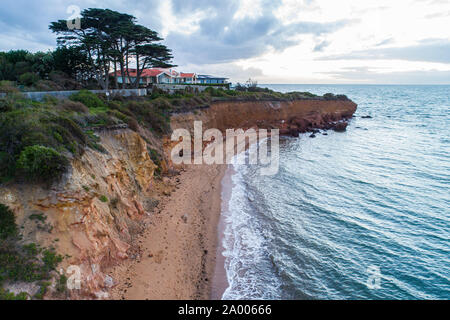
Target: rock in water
{"x":340,"y":127}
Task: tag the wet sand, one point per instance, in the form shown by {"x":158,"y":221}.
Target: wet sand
{"x":220,"y":280}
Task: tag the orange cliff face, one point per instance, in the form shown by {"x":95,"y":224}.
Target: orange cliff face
{"x":305,"y":114}
{"x":291,"y":117}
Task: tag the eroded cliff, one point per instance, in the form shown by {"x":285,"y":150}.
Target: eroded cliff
{"x":94,"y":212}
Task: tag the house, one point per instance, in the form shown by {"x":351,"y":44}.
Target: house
{"x":149,"y":76}
{"x":187,"y":78}
{"x":207,"y":79}
{"x":167,"y":76}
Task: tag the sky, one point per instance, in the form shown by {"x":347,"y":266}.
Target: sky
{"x":272,"y":41}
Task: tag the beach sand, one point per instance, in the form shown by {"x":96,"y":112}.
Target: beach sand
{"x":177,"y":252}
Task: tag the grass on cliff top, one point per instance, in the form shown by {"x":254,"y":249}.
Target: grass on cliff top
{"x":37,"y":139}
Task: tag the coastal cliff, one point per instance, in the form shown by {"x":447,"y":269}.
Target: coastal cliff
{"x":95,"y":214}
{"x":302,"y":115}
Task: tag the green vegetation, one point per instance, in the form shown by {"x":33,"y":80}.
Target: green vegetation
{"x":38,"y":162}
{"x":156,"y":158}
{"x":88,"y":99}
{"x":6,"y":295}
{"x":24,"y":263}
{"x":103,"y":199}
{"x":8,"y":226}
{"x":61,"y":285}
{"x":38,"y":216}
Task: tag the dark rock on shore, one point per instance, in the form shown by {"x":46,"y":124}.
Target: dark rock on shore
{"x":295,"y":133}
{"x":341,"y":127}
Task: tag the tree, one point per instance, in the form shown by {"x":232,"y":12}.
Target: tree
{"x":92,"y":38}
{"x":112,"y":39}
{"x":74,"y":62}
{"x":147,"y":53}
{"x":17,"y":63}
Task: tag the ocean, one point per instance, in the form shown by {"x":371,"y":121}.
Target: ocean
{"x":363,"y":214}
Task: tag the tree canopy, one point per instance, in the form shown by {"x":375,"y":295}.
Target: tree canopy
{"x":111,"y":40}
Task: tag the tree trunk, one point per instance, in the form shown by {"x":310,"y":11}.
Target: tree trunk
{"x":138,"y":73}
{"x":116,"y":82}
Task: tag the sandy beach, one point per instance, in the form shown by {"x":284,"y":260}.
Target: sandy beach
{"x":176,"y":254}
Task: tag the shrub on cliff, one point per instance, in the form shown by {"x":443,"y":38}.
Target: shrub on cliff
{"x":73,"y":106}
{"x":42,"y":163}
{"x":29,"y":79}
{"x":36,"y":125}
{"x":154,"y":114}
{"x":331,"y":97}
{"x":89,"y":99}
{"x":8,"y":227}
{"x":8,"y":87}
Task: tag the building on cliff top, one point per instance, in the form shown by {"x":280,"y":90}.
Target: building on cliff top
{"x":166,"y":76}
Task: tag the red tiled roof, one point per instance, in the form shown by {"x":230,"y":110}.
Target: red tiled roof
{"x":151,"y":72}
{"x":145,"y":73}
{"x":187,"y":75}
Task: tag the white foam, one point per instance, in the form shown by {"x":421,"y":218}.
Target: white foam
{"x":244,"y":245}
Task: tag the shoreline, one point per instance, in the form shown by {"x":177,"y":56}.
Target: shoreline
{"x":220,"y":280}
{"x":177,"y":252}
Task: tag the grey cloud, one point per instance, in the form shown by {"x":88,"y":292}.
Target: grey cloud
{"x":429,"y":51}
{"x":221,"y":38}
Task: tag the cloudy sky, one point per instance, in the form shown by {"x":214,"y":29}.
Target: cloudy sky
{"x":273,"y":41}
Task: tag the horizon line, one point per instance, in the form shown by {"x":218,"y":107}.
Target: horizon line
{"x":361,"y":84}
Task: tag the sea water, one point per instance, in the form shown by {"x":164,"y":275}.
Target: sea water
{"x":363,"y":214}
